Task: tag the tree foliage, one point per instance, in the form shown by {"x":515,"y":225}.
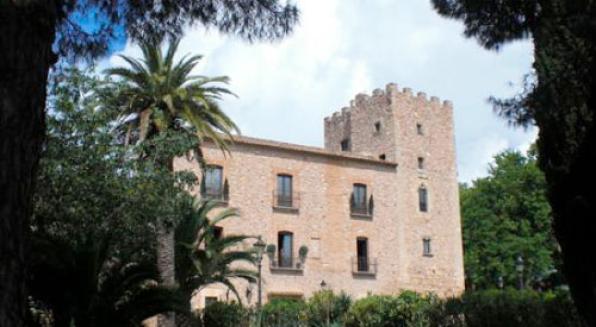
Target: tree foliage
{"x":559,"y":99}
{"x":94,"y":216}
{"x":157,"y":94}
{"x":86,"y":28}
{"x":506,"y":215}
{"x":204,"y":258}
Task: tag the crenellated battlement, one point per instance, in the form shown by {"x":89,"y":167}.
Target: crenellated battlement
{"x":391,"y":94}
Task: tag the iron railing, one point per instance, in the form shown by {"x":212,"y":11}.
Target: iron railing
{"x":286,"y":263}
{"x":286,"y":201}
{"x":364,"y":265}
{"x":215,"y":195}
{"x":360,"y":209}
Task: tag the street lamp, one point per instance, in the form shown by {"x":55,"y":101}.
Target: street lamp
{"x":500,"y":282}
{"x":519,"y":267}
{"x":260,"y":247}
{"x":323,"y":285}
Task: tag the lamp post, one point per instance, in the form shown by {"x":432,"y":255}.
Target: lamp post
{"x":519,"y":267}
{"x":324,"y":287}
{"x":500,"y":282}
{"x":260,"y":247}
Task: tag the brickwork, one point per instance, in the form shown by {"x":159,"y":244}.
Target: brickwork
{"x":381,"y":124}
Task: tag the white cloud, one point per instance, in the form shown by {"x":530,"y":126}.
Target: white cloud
{"x":342,"y":48}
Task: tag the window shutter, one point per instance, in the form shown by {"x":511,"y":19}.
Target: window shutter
{"x":226,"y":190}
{"x":371,"y":205}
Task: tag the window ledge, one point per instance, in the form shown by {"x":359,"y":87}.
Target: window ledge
{"x":361,"y":216}
{"x":286,"y":209}
{"x":428,"y":255}
{"x":289,"y":270}
{"x":364,"y":273}
{"x":222,"y":203}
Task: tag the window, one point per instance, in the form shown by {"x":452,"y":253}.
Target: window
{"x":382,"y":157}
{"x":213,"y":181}
{"x":209,"y":300}
{"x":426,"y":249}
{"x":362,"y":253}
{"x":345,"y":145}
{"x":285,"y":245}
{"x":377,"y":127}
{"x":358,"y":204}
{"x":284,"y":191}
{"x":419,"y":129}
{"x":423,"y":199}
{"x":217,"y":232}
{"x":420,"y":163}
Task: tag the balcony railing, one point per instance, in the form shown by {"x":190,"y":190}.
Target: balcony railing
{"x":284,"y":263}
{"x":364,"y":266}
{"x":286,"y":201}
{"x":219,"y":196}
{"x":361,"y":210}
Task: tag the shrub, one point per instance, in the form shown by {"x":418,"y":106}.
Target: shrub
{"x":222,"y":314}
{"x":326,"y":303}
{"x":283,"y":313}
{"x":407,"y":309}
{"x":560,"y":311}
{"x":510,"y":307}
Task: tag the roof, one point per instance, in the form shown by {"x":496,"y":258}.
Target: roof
{"x":238,"y":140}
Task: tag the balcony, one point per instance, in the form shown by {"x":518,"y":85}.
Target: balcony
{"x":286,"y":264}
{"x":364,"y":266}
{"x":220,"y":194}
{"x":286,"y":202}
{"x":361,"y":211}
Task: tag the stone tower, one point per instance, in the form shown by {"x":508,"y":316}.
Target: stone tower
{"x":417,"y":133}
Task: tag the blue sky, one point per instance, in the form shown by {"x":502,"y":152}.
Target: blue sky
{"x":343,"y":47}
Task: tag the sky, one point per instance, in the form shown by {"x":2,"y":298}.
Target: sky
{"x":344,"y":47}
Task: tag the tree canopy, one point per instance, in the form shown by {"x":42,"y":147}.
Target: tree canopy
{"x":87,"y":28}
{"x":558,"y":98}
{"x":506,"y":215}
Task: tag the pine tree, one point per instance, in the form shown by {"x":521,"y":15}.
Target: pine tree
{"x":559,"y":100}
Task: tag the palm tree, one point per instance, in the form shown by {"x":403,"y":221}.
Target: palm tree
{"x":203,"y":257}
{"x":158,"y":96}
{"x":85,"y":285}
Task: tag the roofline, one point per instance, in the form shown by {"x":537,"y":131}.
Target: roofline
{"x":237,"y":139}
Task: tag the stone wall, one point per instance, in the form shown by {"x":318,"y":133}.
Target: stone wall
{"x":323,"y":181}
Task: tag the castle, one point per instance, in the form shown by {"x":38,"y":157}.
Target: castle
{"x":375,"y":211}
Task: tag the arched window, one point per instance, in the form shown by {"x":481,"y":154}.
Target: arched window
{"x":358,"y":200}
{"x":362,"y":254}
{"x":423,"y":199}
{"x":284,"y":190}
{"x":285,"y":244}
{"x":213,"y":182}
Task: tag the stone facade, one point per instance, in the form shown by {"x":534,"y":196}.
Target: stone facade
{"x":384,"y":136}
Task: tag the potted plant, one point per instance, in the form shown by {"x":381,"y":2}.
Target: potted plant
{"x":270,"y":249}
{"x":302,"y":253}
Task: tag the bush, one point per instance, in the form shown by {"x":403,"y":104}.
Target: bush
{"x":222,"y":314}
{"x":283,"y":313}
{"x":326,"y":303}
{"x":510,"y":307}
{"x":560,"y":310}
{"x":407,"y":309}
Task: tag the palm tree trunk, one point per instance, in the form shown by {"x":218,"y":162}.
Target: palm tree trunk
{"x":166,"y":263}
{"x":27,"y":32}
{"x":166,"y":266}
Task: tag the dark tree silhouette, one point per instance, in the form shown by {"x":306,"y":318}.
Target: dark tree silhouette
{"x":559,"y":100}
{"x":35,"y":34}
